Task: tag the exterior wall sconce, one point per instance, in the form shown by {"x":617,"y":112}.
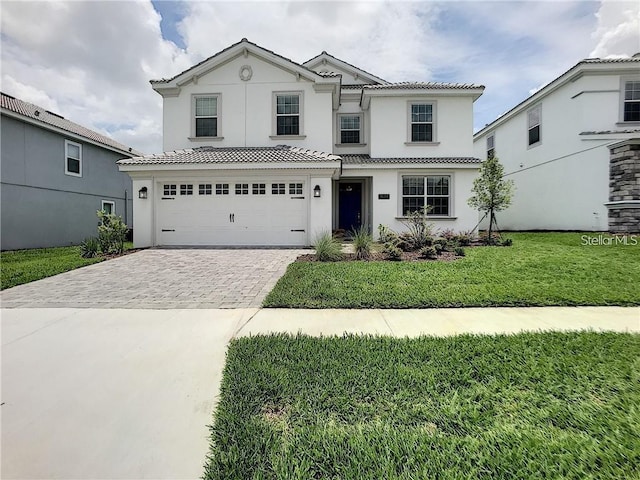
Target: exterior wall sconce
{"x":142,"y":193}
{"x":316,"y":191}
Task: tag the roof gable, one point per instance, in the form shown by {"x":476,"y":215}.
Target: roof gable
{"x":329,"y":63}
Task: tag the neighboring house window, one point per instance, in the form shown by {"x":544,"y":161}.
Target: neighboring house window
{"x":222,"y":189}
{"x":350,"y":128}
{"x":278,"y":189}
{"x":242,"y":189}
{"x":491,"y":145}
{"x":169,"y":190}
{"x":206,"y":116}
{"x":73,"y":158}
{"x":108,"y":206}
{"x":431,"y":190}
{"x":288,"y":111}
{"x":533,"y":118}
{"x":422,"y":122}
{"x":186,"y":189}
{"x":204,"y":189}
{"x":259,"y":189}
{"x":295,"y":189}
{"x":632,"y":101}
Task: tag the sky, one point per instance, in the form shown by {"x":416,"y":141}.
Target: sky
{"x":91,"y":61}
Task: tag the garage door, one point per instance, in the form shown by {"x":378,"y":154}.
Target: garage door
{"x":232,"y":212}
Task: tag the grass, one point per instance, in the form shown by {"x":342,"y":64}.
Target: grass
{"x":533,"y":405}
{"x":539,"y":269}
{"x":24,"y":266}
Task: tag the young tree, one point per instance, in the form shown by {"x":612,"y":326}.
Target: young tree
{"x":491,"y":192}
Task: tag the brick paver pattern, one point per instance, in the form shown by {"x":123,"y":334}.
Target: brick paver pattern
{"x":161,"y":278}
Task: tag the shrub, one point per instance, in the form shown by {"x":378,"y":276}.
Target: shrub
{"x":419,"y":229}
{"x":447,"y":233}
{"x":362,"y":241}
{"x":89,"y":247}
{"x":328,"y":249}
{"x":112,"y":233}
{"x":442,"y":243}
{"x":392,"y":251}
{"x":386,"y":234}
{"x":459,"y":251}
{"x":494,"y":240}
{"x":428,"y":252}
{"x":507,"y":242}
{"x":465,"y":238}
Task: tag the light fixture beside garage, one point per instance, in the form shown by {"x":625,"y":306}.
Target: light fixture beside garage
{"x":142,"y":193}
{"x":316,"y":191}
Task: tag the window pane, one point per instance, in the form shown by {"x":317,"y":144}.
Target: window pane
{"x":73,"y":165}
{"x":421,"y":113}
{"x":490,"y":142}
{"x":277,"y":189}
{"x":350,"y":136}
{"x":107,"y":207}
{"x":222,"y":189}
{"x":632,"y":112}
{"x":73,"y":151}
{"x":350,"y":123}
{"x":288,"y":125}
{"x":258,"y":188}
{"x":440,"y":205}
{"x":206,"y":107}
{"x":437,"y":185}
{"x":534,"y":135}
{"x":421,"y":132}
{"x":412,"y":204}
{"x":534,"y":117}
{"x":412,"y":186}
{"x":632,"y":91}
{"x":288,"y":104}
{"x":206,"y":127}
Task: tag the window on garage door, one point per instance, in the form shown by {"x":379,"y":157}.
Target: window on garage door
{"x":259,"y":189}
{"x":169,"y":189}
{"x":278,"y":189}
{"x":222,"y":189}
{"x":186,"y":189}
{"x":204,"y":189}
{"x":295,"y":189}
{"x":242,"y":189}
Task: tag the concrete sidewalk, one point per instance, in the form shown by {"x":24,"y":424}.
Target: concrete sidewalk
{"x":128,"y":394}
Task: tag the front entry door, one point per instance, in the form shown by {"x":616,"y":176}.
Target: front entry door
{"x":350,"y":210}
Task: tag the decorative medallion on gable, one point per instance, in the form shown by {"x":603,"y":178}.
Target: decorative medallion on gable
{"x":246,"y":72}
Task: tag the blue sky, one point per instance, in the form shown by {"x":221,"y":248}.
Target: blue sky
{"x":98,"y":72}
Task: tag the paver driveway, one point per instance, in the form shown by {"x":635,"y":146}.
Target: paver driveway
{"x":161,"y":278}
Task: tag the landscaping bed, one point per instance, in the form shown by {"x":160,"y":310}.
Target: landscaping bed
{"x":532,"y":405}
{"x":380,"y":257}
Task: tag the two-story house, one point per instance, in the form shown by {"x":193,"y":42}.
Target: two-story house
{"x":55,"y":175}
{"x":554,"y":145}
{"x":261,"y":150}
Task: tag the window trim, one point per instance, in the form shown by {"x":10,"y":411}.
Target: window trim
{"x":424,"y":175}
{"x":539,"y":125}
{"x":66,"y":158}
{"x":339,"y":143}
{"x":491,"y":136}
{"x":434,"y":121}
{"x":218,"y":115}
{"x":274,"y":114}
{"x":108,"y":202}
{"x":623,"y":88}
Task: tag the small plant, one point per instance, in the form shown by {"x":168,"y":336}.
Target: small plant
{"x":385,"y":234}
{"x":429,"y":252}
{"x":362,"y":242}
{"x":442,"y":243}
{"x":447,"y":233}
{"x":438,"y":247}
{"x":112,"y":233}
{"x":328,"y":249}
{"x":486,"y":240}
{"x":89,"y":247}
{"x":459,"y":251}
{"x":507,"y":242}
{"x":465,"y":238}
{"x":419,"y":229}
{"x":392,"y":251}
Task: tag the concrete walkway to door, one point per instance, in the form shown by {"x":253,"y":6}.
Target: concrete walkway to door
{"x":161,"y":278}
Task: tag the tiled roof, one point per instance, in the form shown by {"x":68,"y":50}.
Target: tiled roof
{"x":609,"y":132}
{"x":423,"y":85}
{"x":329,"y":74}
{"x":49,"y":118}
{"x":206,"y":155}
{"x":367,"y":160}
{"x":324,"y":52}
{"x":635,"y":58}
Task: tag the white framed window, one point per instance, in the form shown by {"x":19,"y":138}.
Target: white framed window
{"x":205,"y":116}
{"x":534,"y":121}
{"x":186,"y":189}
{"x":222,"y":189}
{"x":350,"y":129}
{"x":288,"y":114}
{"x":242,"y":189}
{"x":278,"y":189}
{"x":422,"y":122}
{"x":169,"y":189}
{"x":204,"y":189}
{"x":426,"y":190}
{"x":631,"y":100}
{"x":295,"y":189}
{"x":258,"y":189}
{"x":491,"y":145}
{"x":108,"y":206}
{"x":72,"y":158}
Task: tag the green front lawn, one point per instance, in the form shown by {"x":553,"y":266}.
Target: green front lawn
{"x":24,"y":266}
{"x":533,"y":405}
{"x":539,"y":269}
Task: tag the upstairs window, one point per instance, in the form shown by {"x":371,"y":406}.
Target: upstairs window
{"x":430,"y":190}
{"x":422,"y":122}
{"x":73,"y":159}
{"x":350,"y":128}
{"x":491,"y":143}
{"x":206,"y":116}
{"x":631,"y":101}
{"x":533,"y":119}
{"x":288,"y":114}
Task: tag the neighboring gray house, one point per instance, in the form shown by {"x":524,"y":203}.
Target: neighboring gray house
{"x":54,"y":176}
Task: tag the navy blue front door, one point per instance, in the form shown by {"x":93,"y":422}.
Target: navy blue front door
{"x":350,"y":201}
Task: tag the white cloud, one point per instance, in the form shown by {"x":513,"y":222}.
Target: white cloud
{"x":618,"y":32}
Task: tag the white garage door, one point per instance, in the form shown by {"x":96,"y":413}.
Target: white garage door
{"x":232,"y":212}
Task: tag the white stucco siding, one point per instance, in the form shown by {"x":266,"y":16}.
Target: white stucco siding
{"x":390,"y":127}
{"x":246,"y":113}
{"x":143,"y":212}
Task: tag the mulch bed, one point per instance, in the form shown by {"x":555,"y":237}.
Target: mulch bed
{"x":381,"y":257}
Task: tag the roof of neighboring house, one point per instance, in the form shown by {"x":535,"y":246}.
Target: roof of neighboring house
{"x":206,"y":155}
{"x":423,"y":86}
{"x":557,"y":82}
{"x":366,"y":159}
{"x":50,"y":119}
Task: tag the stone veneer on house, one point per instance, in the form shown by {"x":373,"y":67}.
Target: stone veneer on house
{"x":624,"y":187}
